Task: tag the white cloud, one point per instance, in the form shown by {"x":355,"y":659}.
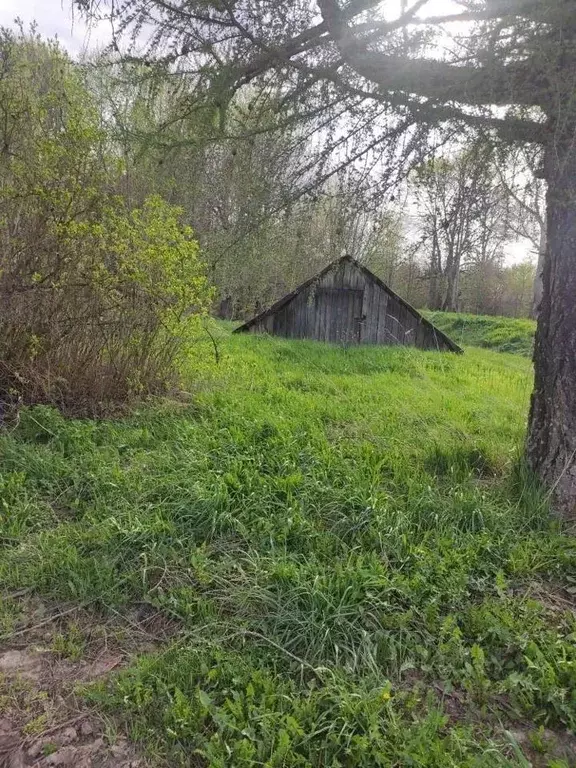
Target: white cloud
{"x":55,"y":18}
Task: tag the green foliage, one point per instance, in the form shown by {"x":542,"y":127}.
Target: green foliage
{"x":149,"y":285}
{"x":69,"y":644}
{"x":100,"y":299}
{"x":358,"y":562}
{"x":503,"y":334}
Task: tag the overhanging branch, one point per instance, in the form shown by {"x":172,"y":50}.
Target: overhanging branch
{"x":496,"y":85}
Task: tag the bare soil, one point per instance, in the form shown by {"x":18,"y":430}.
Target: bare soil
{"x":43,"y":724}
{"x":43,"y":720}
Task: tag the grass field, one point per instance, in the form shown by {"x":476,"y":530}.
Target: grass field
{"x":360,"y":571}
{"x":503,"y":334}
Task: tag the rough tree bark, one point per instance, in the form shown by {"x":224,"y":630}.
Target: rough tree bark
{"x":451,"y":285}
{"x":538,"y":278}
{"x":552,"y":425}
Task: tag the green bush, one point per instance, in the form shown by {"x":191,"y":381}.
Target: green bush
{"x":99,"y":300}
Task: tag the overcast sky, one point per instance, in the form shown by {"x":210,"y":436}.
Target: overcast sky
{"x":55,"y":18}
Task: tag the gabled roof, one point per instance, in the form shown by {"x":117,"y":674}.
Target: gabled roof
{"x":289,"y":296}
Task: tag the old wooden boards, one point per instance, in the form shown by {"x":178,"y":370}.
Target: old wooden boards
{"x":347,"y":304}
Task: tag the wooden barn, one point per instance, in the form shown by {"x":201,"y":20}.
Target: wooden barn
{"x":347,"y":304}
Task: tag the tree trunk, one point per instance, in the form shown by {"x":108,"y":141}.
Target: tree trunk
{"x":434,"y":295}
{"x":452,"y":284}
{"x":538,"y":278}
{"x":434,"y":298}
{"x":552,"y":425}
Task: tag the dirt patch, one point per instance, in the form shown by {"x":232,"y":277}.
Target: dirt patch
{"x":555,"y":597}
{"x":543,"y":746}
{"x":20,"y":663}
{"x":44,"y":724}
{"x":454,"y":703}
{"x":43,"y":720}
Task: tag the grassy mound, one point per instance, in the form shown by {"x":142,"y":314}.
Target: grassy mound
{"x":361,"y":571}
{"x":503,"y":334}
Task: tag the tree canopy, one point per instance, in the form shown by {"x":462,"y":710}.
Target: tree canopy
{"x":423,"y":69}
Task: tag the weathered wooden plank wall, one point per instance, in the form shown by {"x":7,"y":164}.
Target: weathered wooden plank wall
{"x":348,"y":305}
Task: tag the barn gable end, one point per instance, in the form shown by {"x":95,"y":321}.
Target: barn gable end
{"x":348,"y":304}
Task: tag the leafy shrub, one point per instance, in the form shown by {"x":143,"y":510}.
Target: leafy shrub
{"x":98,"y":301}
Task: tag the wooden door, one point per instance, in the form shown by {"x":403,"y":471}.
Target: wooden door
{"x":339,"y":315}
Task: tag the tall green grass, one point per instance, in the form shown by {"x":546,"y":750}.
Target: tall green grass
{"x":502,"y":334}
{"x":349,"y":542}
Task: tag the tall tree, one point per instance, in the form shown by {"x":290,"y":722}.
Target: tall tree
{"x":520,"y":173}
{"x":463,"y":222}
{"x":251,"y":194}
{"x":510,"y":69}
